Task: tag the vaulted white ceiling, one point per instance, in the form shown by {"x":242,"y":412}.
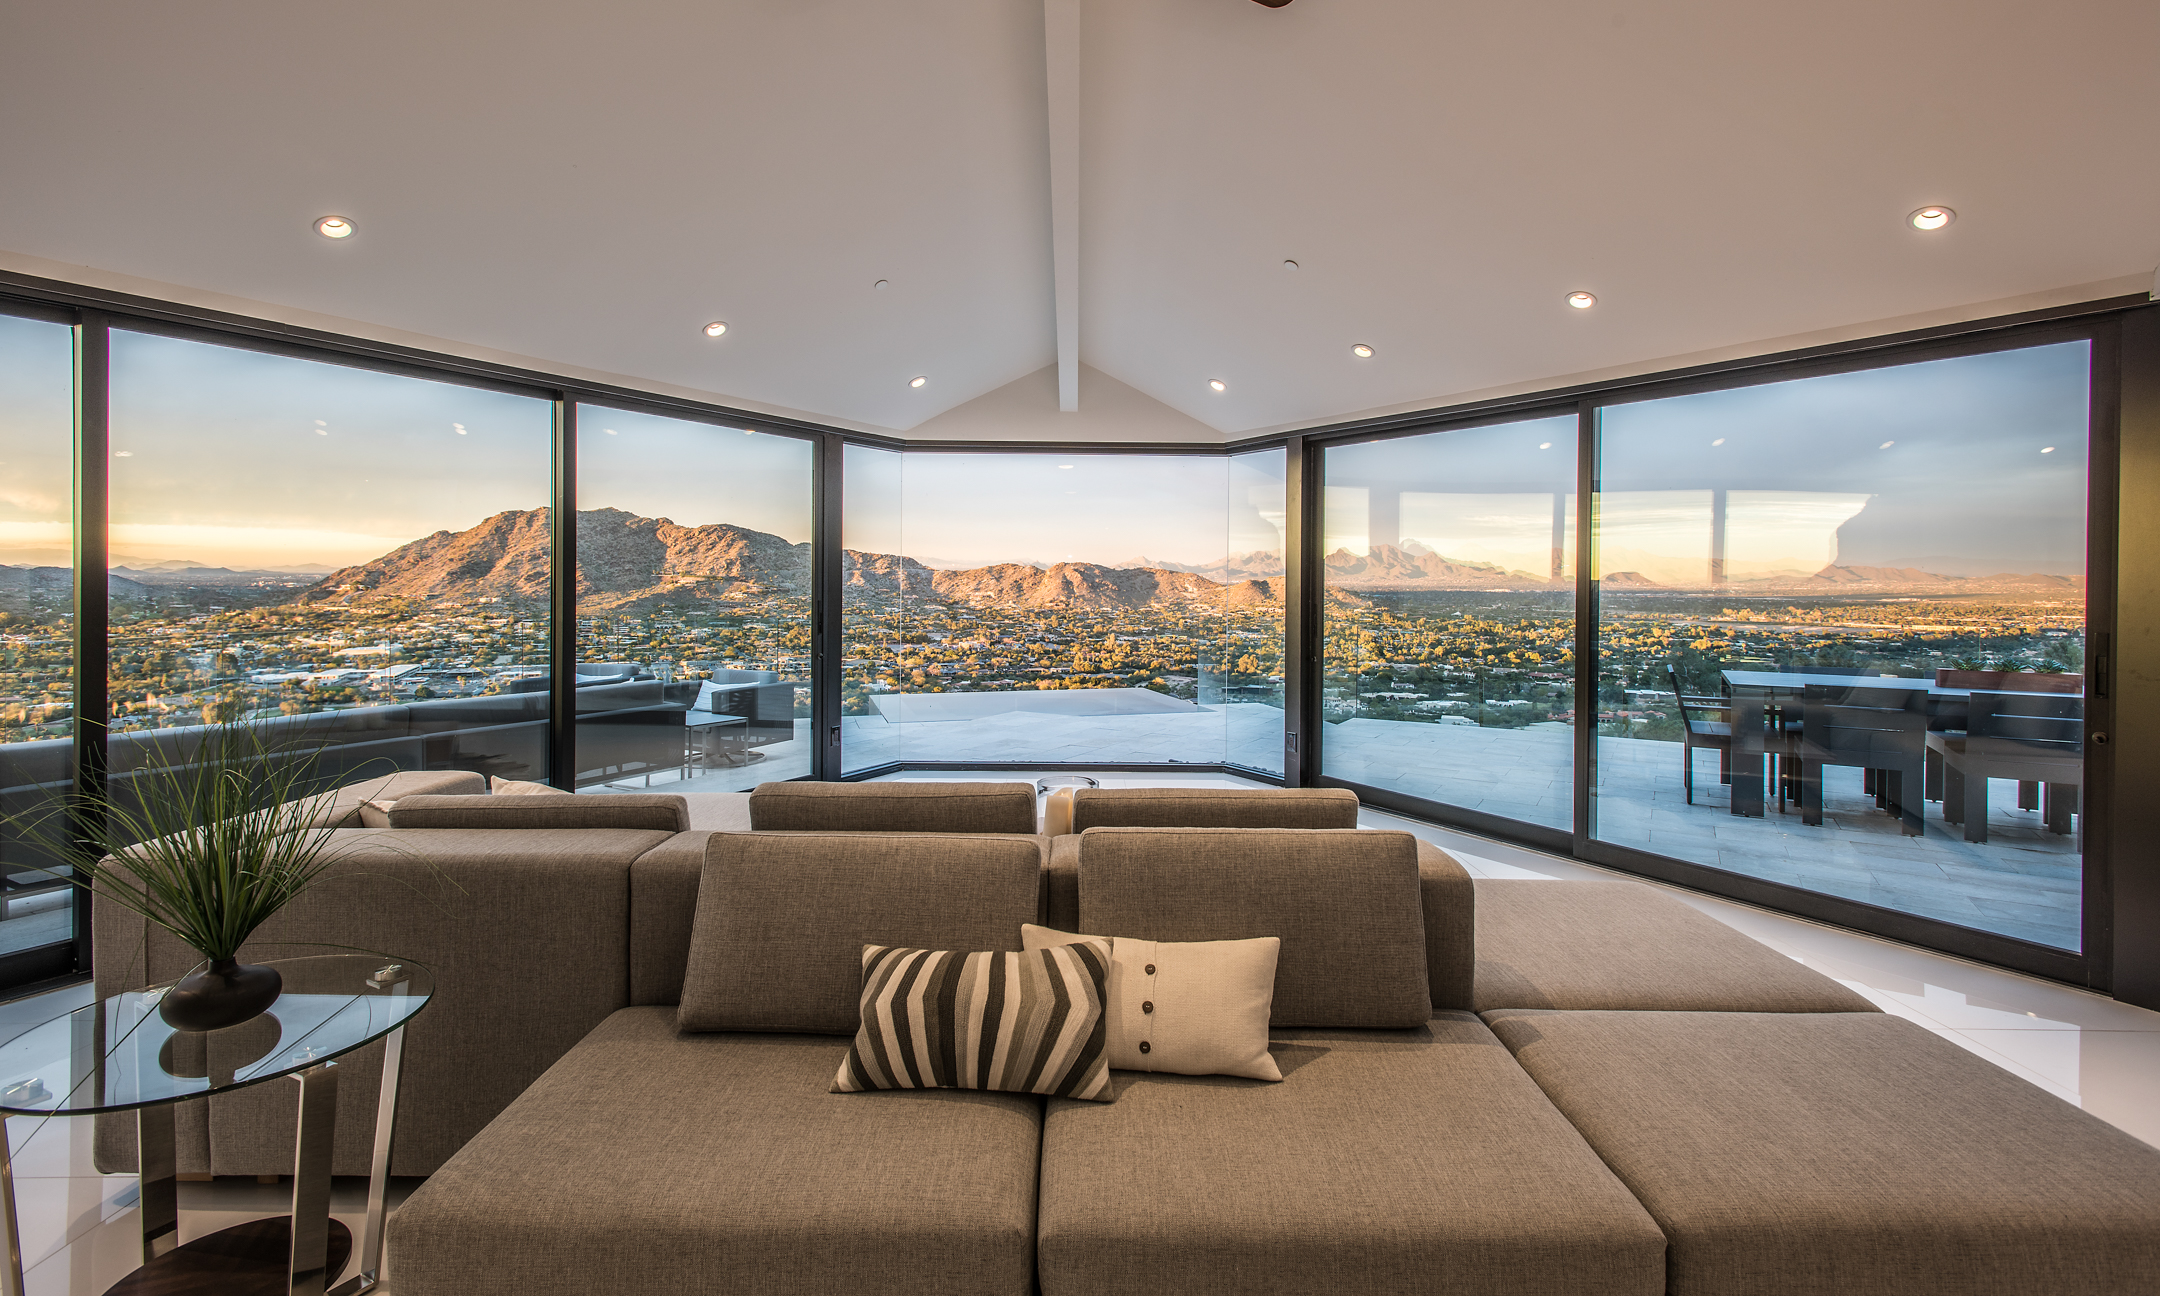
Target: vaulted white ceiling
{"x":581,"y":187}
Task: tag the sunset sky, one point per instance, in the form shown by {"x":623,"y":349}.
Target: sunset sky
{"x":1967,"y":466}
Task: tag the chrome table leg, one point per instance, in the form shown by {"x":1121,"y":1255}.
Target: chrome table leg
{"x":11,"y":1279}
{"x":371,"y":1240}
{"x":158,"y":1166}
{"x":311,"y":1180}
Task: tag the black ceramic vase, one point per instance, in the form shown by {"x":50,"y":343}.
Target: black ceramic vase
{"x":226,"y":993}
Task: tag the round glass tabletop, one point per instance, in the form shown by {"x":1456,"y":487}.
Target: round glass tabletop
{"x":118,"y":1054}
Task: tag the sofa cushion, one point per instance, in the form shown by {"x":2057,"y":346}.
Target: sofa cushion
{"x":1623,"y":945}
{"x":1181,"y":807}
{"x":609,"y":810}
{"x":1450,"y":902}
{"x":719,"y":811}
{"x":1846,"y":1154}
{"x":1345,"y":902}
{"x":894,"y":807}
{"x":782,"y":919}
{"x":1061,"y":883}
{"x":1016,"y":1023}
{"x":340,"y":807}
{"x":647,"y":1161}
{"x":1419,"y":1161}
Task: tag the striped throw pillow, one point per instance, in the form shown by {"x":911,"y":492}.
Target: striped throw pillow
{"x":1017,"y":1022}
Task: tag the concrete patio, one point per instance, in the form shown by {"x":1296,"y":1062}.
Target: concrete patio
{"x":2024,"y":882}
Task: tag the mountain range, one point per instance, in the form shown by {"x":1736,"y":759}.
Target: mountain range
{"x":628,"y":562}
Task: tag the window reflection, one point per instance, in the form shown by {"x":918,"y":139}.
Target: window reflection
{"x":1451,"y":618}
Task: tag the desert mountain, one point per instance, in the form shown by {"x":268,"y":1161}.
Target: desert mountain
{"x":1391,"y":567}
{"x":626,"y":561}
{"x":1095,"y":586}
{"x":623,"y":560}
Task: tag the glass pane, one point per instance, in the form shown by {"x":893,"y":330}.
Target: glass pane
{"x":37,"y":618}
{"x":1841,"y":635}
{"x":355,"y":561}
{"x":693,"y":605}
{"x":1041,"y":608}
{"x":1451,"y":607}
{"x":1246,"y":676}
{"x":874,"y":604}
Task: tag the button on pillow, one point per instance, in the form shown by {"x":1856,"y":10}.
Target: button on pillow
{"x":1185,"y":1007}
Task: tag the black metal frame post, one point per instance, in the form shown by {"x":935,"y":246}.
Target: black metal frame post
{"x":2129,"y":668}
{"x":562,"y":598}
{"x":92,"y":504}
{"x":827,"y":612}
{"x":1586,"y":625}
{"x":1304,"y":629}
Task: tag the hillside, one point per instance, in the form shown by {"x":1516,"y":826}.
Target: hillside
{"x":623,"y":561}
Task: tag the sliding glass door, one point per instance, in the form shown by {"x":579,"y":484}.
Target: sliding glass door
{"x":1841,"y":635}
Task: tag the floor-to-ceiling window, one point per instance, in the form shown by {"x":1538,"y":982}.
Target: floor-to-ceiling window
{"x":1450,"y":617}
{"x":355,"y":560}
{"x":693,"y":596}
{"x":1248,"y":672}
{"x":1051,"y":608}
{"x":37,"y":590}
{"x":1840,"y":634}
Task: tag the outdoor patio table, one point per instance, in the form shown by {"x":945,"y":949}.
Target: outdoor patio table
{"x":1753,"y":690}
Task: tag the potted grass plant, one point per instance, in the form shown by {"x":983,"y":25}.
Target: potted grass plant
{"x":206,"y":841}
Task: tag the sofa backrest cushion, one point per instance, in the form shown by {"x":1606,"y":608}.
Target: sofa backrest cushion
{"x":893,"y":808}
{"x":1345,"y":903}
{"x":1214,"y":808}
{"x":340,"y":807}
{"x":782,"y":920}
{"x":607,"y":810}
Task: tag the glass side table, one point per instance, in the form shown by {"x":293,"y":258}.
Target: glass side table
{"x":118,"y":1055}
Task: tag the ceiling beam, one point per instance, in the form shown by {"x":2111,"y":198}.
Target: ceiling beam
{"x":1061,"y":57}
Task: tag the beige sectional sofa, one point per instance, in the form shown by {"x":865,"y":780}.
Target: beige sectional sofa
{"x":1538,"y":1087}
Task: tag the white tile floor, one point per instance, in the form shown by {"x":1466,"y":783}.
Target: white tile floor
{"x":79,"y":1226}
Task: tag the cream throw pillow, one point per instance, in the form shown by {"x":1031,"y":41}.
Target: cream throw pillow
{"x":1185,"y":1007}
{"x":513,"y":787}
{"x":376,"y":814}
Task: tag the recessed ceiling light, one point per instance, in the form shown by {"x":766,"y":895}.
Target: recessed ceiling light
{"x":2047,"y":450}
{"x":123,"y":454}
{"x":881,"y":283}
{"x":611,"y":431}
{"x":1886,"y":445}
{"x":1361,"y":351}
{"x":1289,"y":265}
{"x":334,"y":227}
{"x":1216,"y":383}
{"x":1544,"y":445}
{"x":918,"y":380}
{"x":1720,"y":441}
{"x":1062,"y":467}
{"x":1581,"y":300}
{"x":459,"y":428}
{"x":716,"y":328}
{"x":1931,"y":218}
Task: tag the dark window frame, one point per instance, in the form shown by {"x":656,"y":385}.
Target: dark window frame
{"x":2125,"y":439}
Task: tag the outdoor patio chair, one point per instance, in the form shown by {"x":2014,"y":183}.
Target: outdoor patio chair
{"x":2030,"y":737}
{"x":1883,"y":730}
{"x":1704,"y":722}
{"x":1951,"y":714}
